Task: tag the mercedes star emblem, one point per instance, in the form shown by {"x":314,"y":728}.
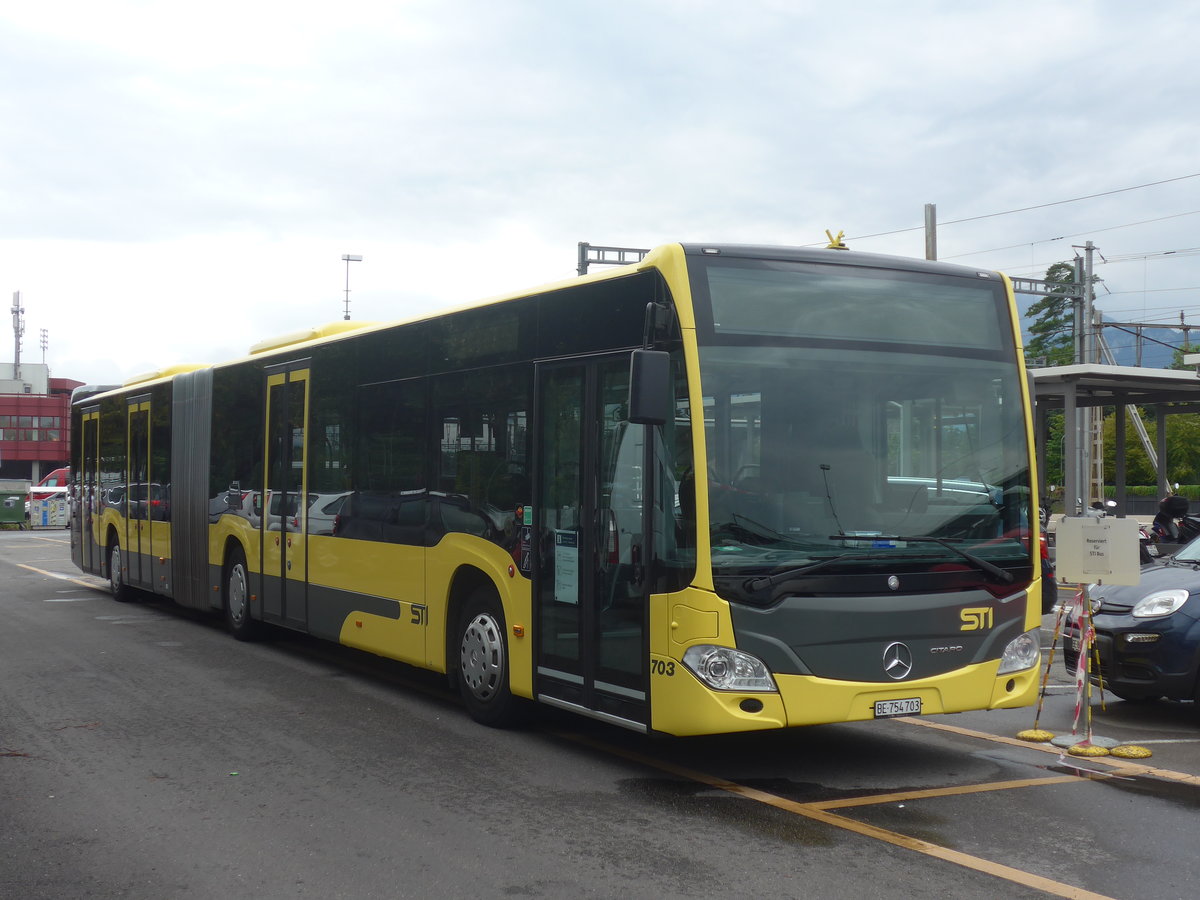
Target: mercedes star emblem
{"x":897,"y":660}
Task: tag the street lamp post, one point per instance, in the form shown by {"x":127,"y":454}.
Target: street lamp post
{"x":349,"y":258}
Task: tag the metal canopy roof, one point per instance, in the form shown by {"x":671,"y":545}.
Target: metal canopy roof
{"x":1096,"y":385}
{"x":1076,"y":387}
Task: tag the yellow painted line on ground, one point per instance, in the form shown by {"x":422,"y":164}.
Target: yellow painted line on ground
{"x":1124,"y":766}
{"x":87,"y":584}
{"x":875,"y":799}
{"x":815,"y":812}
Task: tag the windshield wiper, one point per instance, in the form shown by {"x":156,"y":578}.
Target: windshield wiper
{"x":990,"y":568}
{"x":744,"y":526}
{"x":754,"y":585}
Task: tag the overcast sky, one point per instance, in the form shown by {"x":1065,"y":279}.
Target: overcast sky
{"x":178,"y":182}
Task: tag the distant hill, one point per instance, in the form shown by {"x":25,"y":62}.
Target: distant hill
{"x":1123,"y":345}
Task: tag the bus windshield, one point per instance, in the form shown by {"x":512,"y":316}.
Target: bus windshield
{"x":857,"y":418}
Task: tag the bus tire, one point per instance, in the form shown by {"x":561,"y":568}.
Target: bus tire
{"x":483,"y":668}
{"x":235,"y":590}
{"x":116,"y":579}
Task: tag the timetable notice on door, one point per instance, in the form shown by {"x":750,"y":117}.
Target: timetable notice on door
{"x":566,"y":566}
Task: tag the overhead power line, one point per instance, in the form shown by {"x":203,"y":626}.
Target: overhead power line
{"x":1124,"y":258}
{"x":1134,"y":257}
{"x":1136,"y":187}
{"x":1155,"y":291}
{"x":1063,"y":237}
{"x":1009,"y":212}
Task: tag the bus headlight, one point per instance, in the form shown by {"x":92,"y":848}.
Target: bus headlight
{"x":726,"y":669}
{"x":1023,"y":652}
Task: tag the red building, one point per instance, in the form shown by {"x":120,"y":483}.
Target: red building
{"x":35,"y":421}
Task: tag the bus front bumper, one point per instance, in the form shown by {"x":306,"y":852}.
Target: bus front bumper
{"x":683,"y":706}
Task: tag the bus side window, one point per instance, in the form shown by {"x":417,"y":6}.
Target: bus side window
{"x":481,"y":424}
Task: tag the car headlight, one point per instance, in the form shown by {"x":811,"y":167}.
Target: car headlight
{"x":726,"y":669}
{"x":1162,"y":603}
{"x":1022,"y":652}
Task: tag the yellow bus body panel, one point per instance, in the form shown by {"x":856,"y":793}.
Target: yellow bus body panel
{"x":681,"y":705}
{"x":402,"y":638}
{"x":812,"y":701}
{"x":419,"y":580}
{"x":109,"y":519}
{"x":390,"y":571}
{"x":229,"y":527}
{"x":1033,"y":612}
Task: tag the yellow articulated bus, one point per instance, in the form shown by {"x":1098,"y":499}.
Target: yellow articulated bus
{"x":721,"y":489}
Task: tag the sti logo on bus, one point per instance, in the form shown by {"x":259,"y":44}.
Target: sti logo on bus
{"x":976,"y":618}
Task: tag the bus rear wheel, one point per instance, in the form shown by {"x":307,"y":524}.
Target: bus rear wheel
{"x":483,"y":667}
{"x":116,"y":578}
{"x":236,"y":584}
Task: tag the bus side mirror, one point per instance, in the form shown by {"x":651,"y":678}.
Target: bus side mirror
{"x":650,"y":395}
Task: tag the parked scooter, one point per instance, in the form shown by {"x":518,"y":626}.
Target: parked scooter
{"x":1172,"y":524}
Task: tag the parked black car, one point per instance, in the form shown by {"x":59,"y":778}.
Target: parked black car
{"x":1148,"y":635}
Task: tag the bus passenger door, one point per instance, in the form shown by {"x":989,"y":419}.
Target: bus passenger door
{"x":86,"y":503}
{"x":590,"y":583}
{"x":138,"y":549}
{"x":284,"y":498}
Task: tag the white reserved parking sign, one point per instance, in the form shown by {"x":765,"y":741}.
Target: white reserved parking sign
{"x":1090,"y":550}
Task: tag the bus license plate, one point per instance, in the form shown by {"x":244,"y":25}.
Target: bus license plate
{"x":885,"y":709}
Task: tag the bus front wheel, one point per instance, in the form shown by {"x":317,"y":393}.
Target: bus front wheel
{"x":237,"y":598}
{"x":483,"y":662}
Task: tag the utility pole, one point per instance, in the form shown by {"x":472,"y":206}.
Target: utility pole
{"x":1089,"y":299}
{"x":1089,"y":434}
{"x":931,"y":231}
{"x":1077,"y":305}
{"x":18,"y":312}
{"x":348,"y":258}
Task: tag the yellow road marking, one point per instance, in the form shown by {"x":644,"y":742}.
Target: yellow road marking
{"x":816,"y":812}
{"x":1124,"y":766}
{"x":87,"y":584}
{"x":875,"y":799}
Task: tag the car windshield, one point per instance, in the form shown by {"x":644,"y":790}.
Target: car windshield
{"x":1189,"y":553}
{"x":857,"y":453}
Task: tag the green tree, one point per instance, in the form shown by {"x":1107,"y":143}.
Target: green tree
{"x":1183,"y":433}
{"x":1137,"y":464}
{"x":1052,"y":334}
{"x":1052,"y":343}
{"x":1183,"y":450}
{"x":1177,"y":357}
